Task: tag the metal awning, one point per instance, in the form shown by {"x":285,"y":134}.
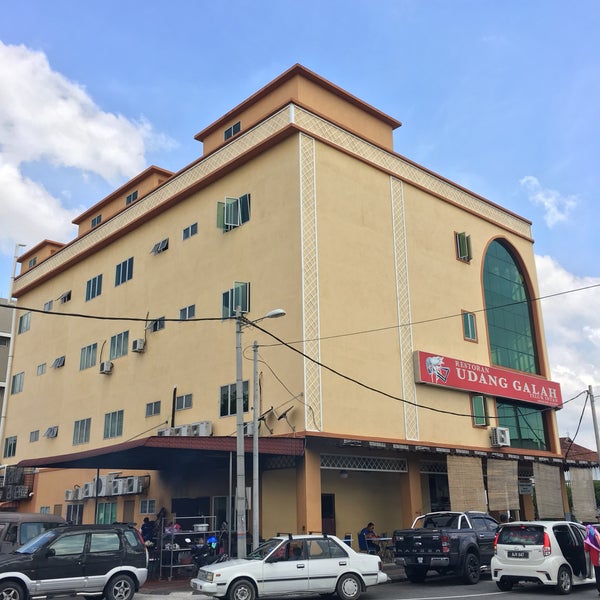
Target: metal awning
{"x":162,"y":453}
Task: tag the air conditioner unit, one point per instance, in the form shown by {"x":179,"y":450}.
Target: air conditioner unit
{"x":102,"y":486}
{"x":499,"y":436}
{"x":249,"y":428}
{"x":133,"y":485}
{"x":77,"y":493}
{"x":204,"y":428}
{"x":138,"y":345}
{"x":177,"y":430}
{"x":88,"y":489}
{"x":68,"y":495}
{"x":118,"y":487}
{"x":164,"y":432}
{"x":106,"y":367}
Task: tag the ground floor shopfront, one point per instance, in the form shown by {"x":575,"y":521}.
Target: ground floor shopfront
{"x":306,"y":483}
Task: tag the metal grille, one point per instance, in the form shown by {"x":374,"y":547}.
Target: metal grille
{"x":273,"y":463}
{"x":364,"y":463}
{"x":432,"y":467}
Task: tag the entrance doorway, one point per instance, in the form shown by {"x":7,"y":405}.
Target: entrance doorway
{"x":328,"y":513}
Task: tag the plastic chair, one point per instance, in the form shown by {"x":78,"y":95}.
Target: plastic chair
{"x":348,"y":539}
{"x":362,"y":542}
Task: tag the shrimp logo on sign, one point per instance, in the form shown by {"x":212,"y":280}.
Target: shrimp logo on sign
{"x":435,"y":367}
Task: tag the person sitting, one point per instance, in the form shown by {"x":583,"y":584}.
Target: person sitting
{"x":369,"y":534}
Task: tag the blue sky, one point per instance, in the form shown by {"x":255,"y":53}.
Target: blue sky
{"x":502,"y":97}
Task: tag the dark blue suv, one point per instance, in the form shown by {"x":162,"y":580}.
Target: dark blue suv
{"x":109,"y":561}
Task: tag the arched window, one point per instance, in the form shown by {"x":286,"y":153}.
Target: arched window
{"x":508,"y":311}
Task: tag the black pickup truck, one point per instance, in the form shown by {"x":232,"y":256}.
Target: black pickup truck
{"x":457,"y":542}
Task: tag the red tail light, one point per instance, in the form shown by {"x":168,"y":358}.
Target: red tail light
{"x":547,"y":550}
{"x":445,"y":544}
{"x":496,"y":543}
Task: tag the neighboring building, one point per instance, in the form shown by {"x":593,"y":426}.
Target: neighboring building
{"x":5,"y":336}
{"x":410,"y":372}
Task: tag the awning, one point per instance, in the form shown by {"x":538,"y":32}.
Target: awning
{"x":162,"y":452}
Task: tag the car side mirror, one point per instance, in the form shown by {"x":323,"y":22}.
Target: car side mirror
{"x":50,"y":552}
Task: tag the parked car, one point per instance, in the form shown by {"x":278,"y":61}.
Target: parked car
{"x":293,"y":564}
{"x":446,"y":542}
{"x":544,"y":552}
{"x":17,"y":528}
{"x":109,"y":561}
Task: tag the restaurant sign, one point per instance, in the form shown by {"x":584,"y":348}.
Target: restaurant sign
{"x":490,"y":381}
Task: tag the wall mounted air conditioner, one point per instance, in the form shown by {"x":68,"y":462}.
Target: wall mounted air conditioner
{"x":88,"y":489}
{"x":68,"y":495}
{"x":249,"y":428}
{"x":138,"y":345}
{"x":77,"y":493}
{"x":102,"y":486}
{"x":118,"y":487}
{"x":499,"y":436}
{"x":177,"y":430}
{"x":133,"y":485}
{"x":106,"y":367}
{"x":204,"y":428}
{"x":164,"y":432}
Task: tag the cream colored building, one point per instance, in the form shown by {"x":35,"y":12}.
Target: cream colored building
{"x":409,"y":373}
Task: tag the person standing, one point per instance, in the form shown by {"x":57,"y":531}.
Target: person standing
{"x":591,"y":544}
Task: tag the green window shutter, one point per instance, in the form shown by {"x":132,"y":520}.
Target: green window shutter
{"x":244,"y":203}
{"x":221,"y":215}
{"x":463,"y":246}
{"x":232,"y":212}
{"x":479,"y":412}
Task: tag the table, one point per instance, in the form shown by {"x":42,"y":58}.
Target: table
{"x":385,"y":551}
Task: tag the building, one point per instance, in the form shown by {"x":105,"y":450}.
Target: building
{"x":5,"y":337}
{"x":409,"y":373}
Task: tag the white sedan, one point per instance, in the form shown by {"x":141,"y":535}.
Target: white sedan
{"x":293,"y":564}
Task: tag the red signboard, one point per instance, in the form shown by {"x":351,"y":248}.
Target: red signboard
{"x":481,"y":379}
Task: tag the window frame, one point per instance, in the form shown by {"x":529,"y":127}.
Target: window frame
{"x":10,"y":446}
{"x":231,"y":399}
{"x":113,"y":424}
{"x":189,"y":231}
{"x":93,"y":287}
{"x":96,"y":221}
{"x":479,"y":410}
{"x":238,"y":295}
{"x":24,"y":322}
{"x":187,"y":312}
{"x":81,"y":431}
{"x":463,"y":246}
{"x":232,"y":131}
{"x":161,"y":246}
{"x":17,"y":382}
{"x":131,"y":198}
{"x":233,"y":212}
{"x":58,"y":362}
{"x":34,"y":436}
{"x":151,"y":408}
{"x":183,"y":401}
{"x":469,"y":326}
{"x":124,"y":271}
{"x":88,"y":356}
{"x":119,"y":345}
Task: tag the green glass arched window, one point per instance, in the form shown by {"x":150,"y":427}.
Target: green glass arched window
{"x":509,"y":318}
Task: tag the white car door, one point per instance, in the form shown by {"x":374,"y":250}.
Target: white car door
{"x":326,"y":562}
{"x":286,"y":572}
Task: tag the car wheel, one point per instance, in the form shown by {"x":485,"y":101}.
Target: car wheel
{"x":241,"y":590}
{"x":348,"y":587}
{"x":504,"y":584}
{"x":472,"y":571}
{"x":11,"y":590}
{"x":120,"y":587}
{"x":564,"y":581}
{"x":415,"y":574}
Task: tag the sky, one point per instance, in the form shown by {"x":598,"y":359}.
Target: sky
{"x":499,"y":96}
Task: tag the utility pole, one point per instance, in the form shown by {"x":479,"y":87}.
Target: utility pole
{"x":595,"y":421}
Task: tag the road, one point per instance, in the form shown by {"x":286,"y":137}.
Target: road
{"x":435,"y":588}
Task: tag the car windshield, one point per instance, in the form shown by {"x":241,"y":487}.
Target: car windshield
{"x":264,"y":549}
{"x":37,"y":542}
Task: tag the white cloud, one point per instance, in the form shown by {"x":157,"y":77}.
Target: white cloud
{"x":572,"y":326}
{"x":49,"y":120}
{"x":556,"y":206}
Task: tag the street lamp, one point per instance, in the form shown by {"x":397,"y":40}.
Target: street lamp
{"x":240,"y":494}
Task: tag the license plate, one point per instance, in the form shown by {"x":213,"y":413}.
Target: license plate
{"x":517,"y":554}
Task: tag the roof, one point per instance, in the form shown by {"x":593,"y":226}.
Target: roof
{"x":160,"y":453}
{"x":572,"y":451}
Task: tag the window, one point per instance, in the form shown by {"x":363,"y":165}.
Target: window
{"x":118,"y":345}
{"x":10,"y":446}
{"x":24,"y":322}
{"x":525,"y":424}
{"x":479,"y":411}
{"x":41,"y":369}
{"x":469,"y":326}
{"x":189,"y":312}
{"x":88,"y":356}
{"x":190,"y":230}
{"x":183,"y":402}
{"x":48,"y":305}
{"x":233,"y":212}
{"x":156,"y":324}
{"x":63,"y":298}
{"x":93,"y":287}
{"x":227,"y":405}
{"x":124,"y":271}
{"x":147,"y":507}
{"x":34,"y":436}
{"x":17,"y":383}
{"x":106,"y":513}
{"x":81,"y":431}
{"x":160,"y":246}
{"x":113,"y":424}
{"x":233,"y":130}
{"x":75,"y":514}
{"x":4,"y":341}
{"x":463,"y":247}
{"x":96,"y":221}
{"x":131,"y":198}
{"x":32,"y":262}
{"x":51,"y":432}
{"x":238,"y":295}
{"x":509,"y":317}
{"x":153,"y":408}
{"x":45,"y":510}
{"x":58,"y":362}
